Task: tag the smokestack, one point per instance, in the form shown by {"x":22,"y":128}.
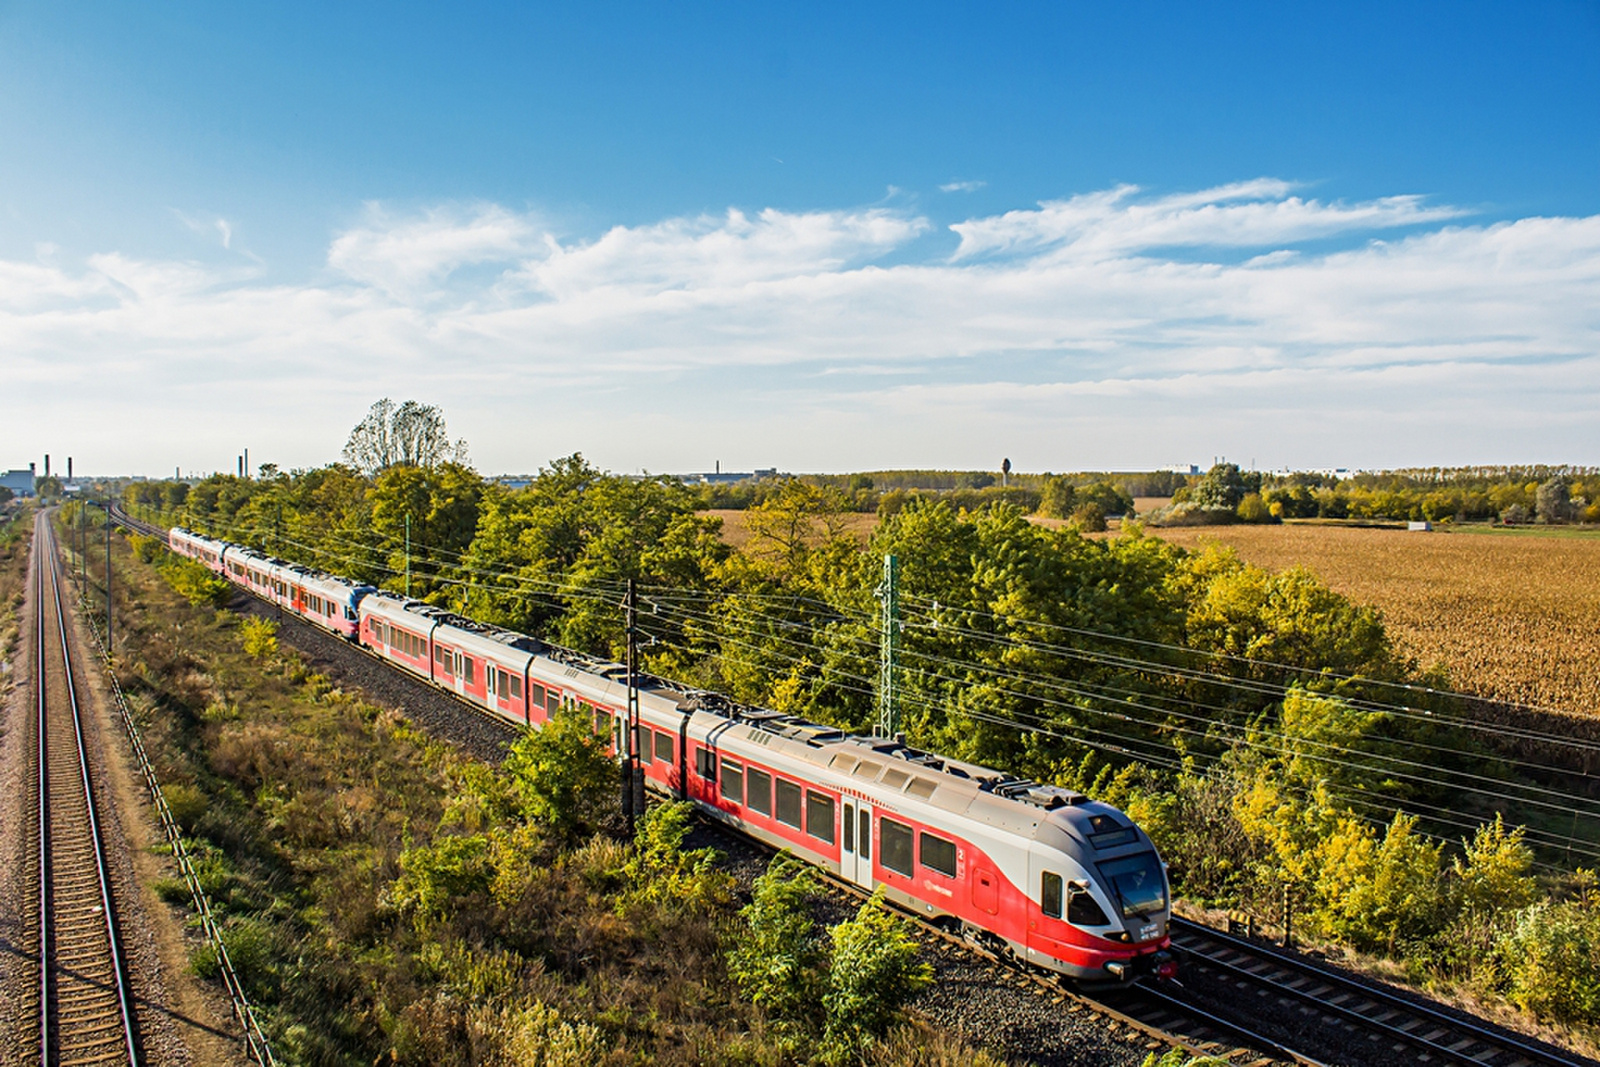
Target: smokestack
{"x":240,"y":460}
{"x":47,"y":464}
{"x":33,"y":468}
{"x":69,"y":468}
{"x":247,"y":463}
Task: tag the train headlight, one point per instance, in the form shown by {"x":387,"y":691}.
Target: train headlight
{"x":1118,"y":969}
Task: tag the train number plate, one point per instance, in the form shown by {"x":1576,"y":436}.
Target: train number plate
{"x":1148,"y":932}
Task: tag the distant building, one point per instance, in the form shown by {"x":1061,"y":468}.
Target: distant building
{"x":722,"y":477}
{"x":19,"y":482}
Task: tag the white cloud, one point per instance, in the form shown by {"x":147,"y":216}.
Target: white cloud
{"x":823,"y":340}
{"x":962,"y":187}
{"x":404,"y":257}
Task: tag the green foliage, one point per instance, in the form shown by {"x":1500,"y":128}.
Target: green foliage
{"x":1392,"y":893}
{"x":258,"y":636}
{"x":1553,"y":959}
{"x":661,"y":871}
{"x":435,"y":879}
{"x":776,"y":959}
{"x":1057,"y":499}
{"x":873,"y":974}
{"x":1223,"y":487}
{"x":1089,"y":518}
{"x":562,"y":777}
{"x":1494,"y":870}
{"x":193,"y":581}
{"x":1177,"y":1057}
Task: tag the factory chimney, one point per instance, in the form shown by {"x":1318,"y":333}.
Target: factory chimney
{"x":47,"y":464}
{"x":69,"y":468}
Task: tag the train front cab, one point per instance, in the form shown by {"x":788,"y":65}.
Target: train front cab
{"x":1102,"y":922}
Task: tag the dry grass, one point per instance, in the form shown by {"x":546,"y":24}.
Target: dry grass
{"x":1512,"y":616}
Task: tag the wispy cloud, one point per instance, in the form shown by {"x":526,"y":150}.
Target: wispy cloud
{"x":962,"y":187}
{"x":822,"y":339}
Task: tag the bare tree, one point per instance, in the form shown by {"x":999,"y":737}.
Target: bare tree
{"x":410,"y":434}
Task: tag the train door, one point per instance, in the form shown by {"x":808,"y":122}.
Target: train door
{"x":855,"y":854}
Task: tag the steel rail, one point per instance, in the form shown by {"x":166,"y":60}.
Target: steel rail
{"x":40,"y":675}
{"x":1496,"y":1040}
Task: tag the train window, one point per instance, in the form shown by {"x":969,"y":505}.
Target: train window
{"x":819,"y":816}
{"x":789,"y":803}
{"x":849,"y":825}
{"x":705,"y":761}
{"x":503,"y":683}
{"x":642,"y":743}
{"x":552,"y":701}
{"x":664,"y":747}
{"x":896,"y":846}
{"x":536,"y":694}
{"x":939,"y":855}
{"x":516,"y":688}
{"x":864,"y":819}
{"x":468,"y":670}
{"x":732,"y":781}
{"x":443,"y":659}
{"x":758,"y":795}
{"x":1050,"y":894}
{"x":1083,"y":911}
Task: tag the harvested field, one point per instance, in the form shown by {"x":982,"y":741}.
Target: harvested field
{"x":1513,"y":616}
{"x":858,"y":524}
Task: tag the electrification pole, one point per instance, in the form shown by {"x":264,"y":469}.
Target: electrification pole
{"x":408,"y":554}
{"x":888,"y":643}
{"x":108,"y":576}
{"x":630,"y":719}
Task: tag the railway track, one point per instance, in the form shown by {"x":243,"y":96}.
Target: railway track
{"x":1390,"y":1026}
{"x":85,"y":1006}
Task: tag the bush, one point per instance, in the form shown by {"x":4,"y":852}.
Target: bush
{"x":195,"y":582}
{"x":562,"y":777}
{"x":259,"y":637}
{"x":1553,"y":960}
{"x":1089,"y":518}
{"x":776,"y":959}
{"x":874,"y":973}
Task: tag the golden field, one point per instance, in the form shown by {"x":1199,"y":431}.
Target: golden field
{"x":1513,"y":615}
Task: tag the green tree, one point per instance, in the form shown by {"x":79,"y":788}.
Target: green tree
{"x":1222,"y":487}
{"x":1057,"y":499}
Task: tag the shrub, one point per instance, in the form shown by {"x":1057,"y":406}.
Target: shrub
{"x":874,"y":973}
{"x":1089,"y":518}
{"x":194,"y":582}
{"x":1553,"y":960}
{"x":259,"y":637}
{"x":563,"y":778}
{"x":188,"y":804}
{"x":776,"y":959}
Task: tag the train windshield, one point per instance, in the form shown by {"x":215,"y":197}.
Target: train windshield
{"x":1137,"y":882}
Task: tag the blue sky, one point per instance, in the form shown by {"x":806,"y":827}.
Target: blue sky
{"x":921,"y":235}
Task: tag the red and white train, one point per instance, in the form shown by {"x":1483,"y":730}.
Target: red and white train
{"x":1060,"y":881}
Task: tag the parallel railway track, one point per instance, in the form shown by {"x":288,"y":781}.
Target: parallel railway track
{"x":1390,"y":1026}
{"x":85,"y":1007}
